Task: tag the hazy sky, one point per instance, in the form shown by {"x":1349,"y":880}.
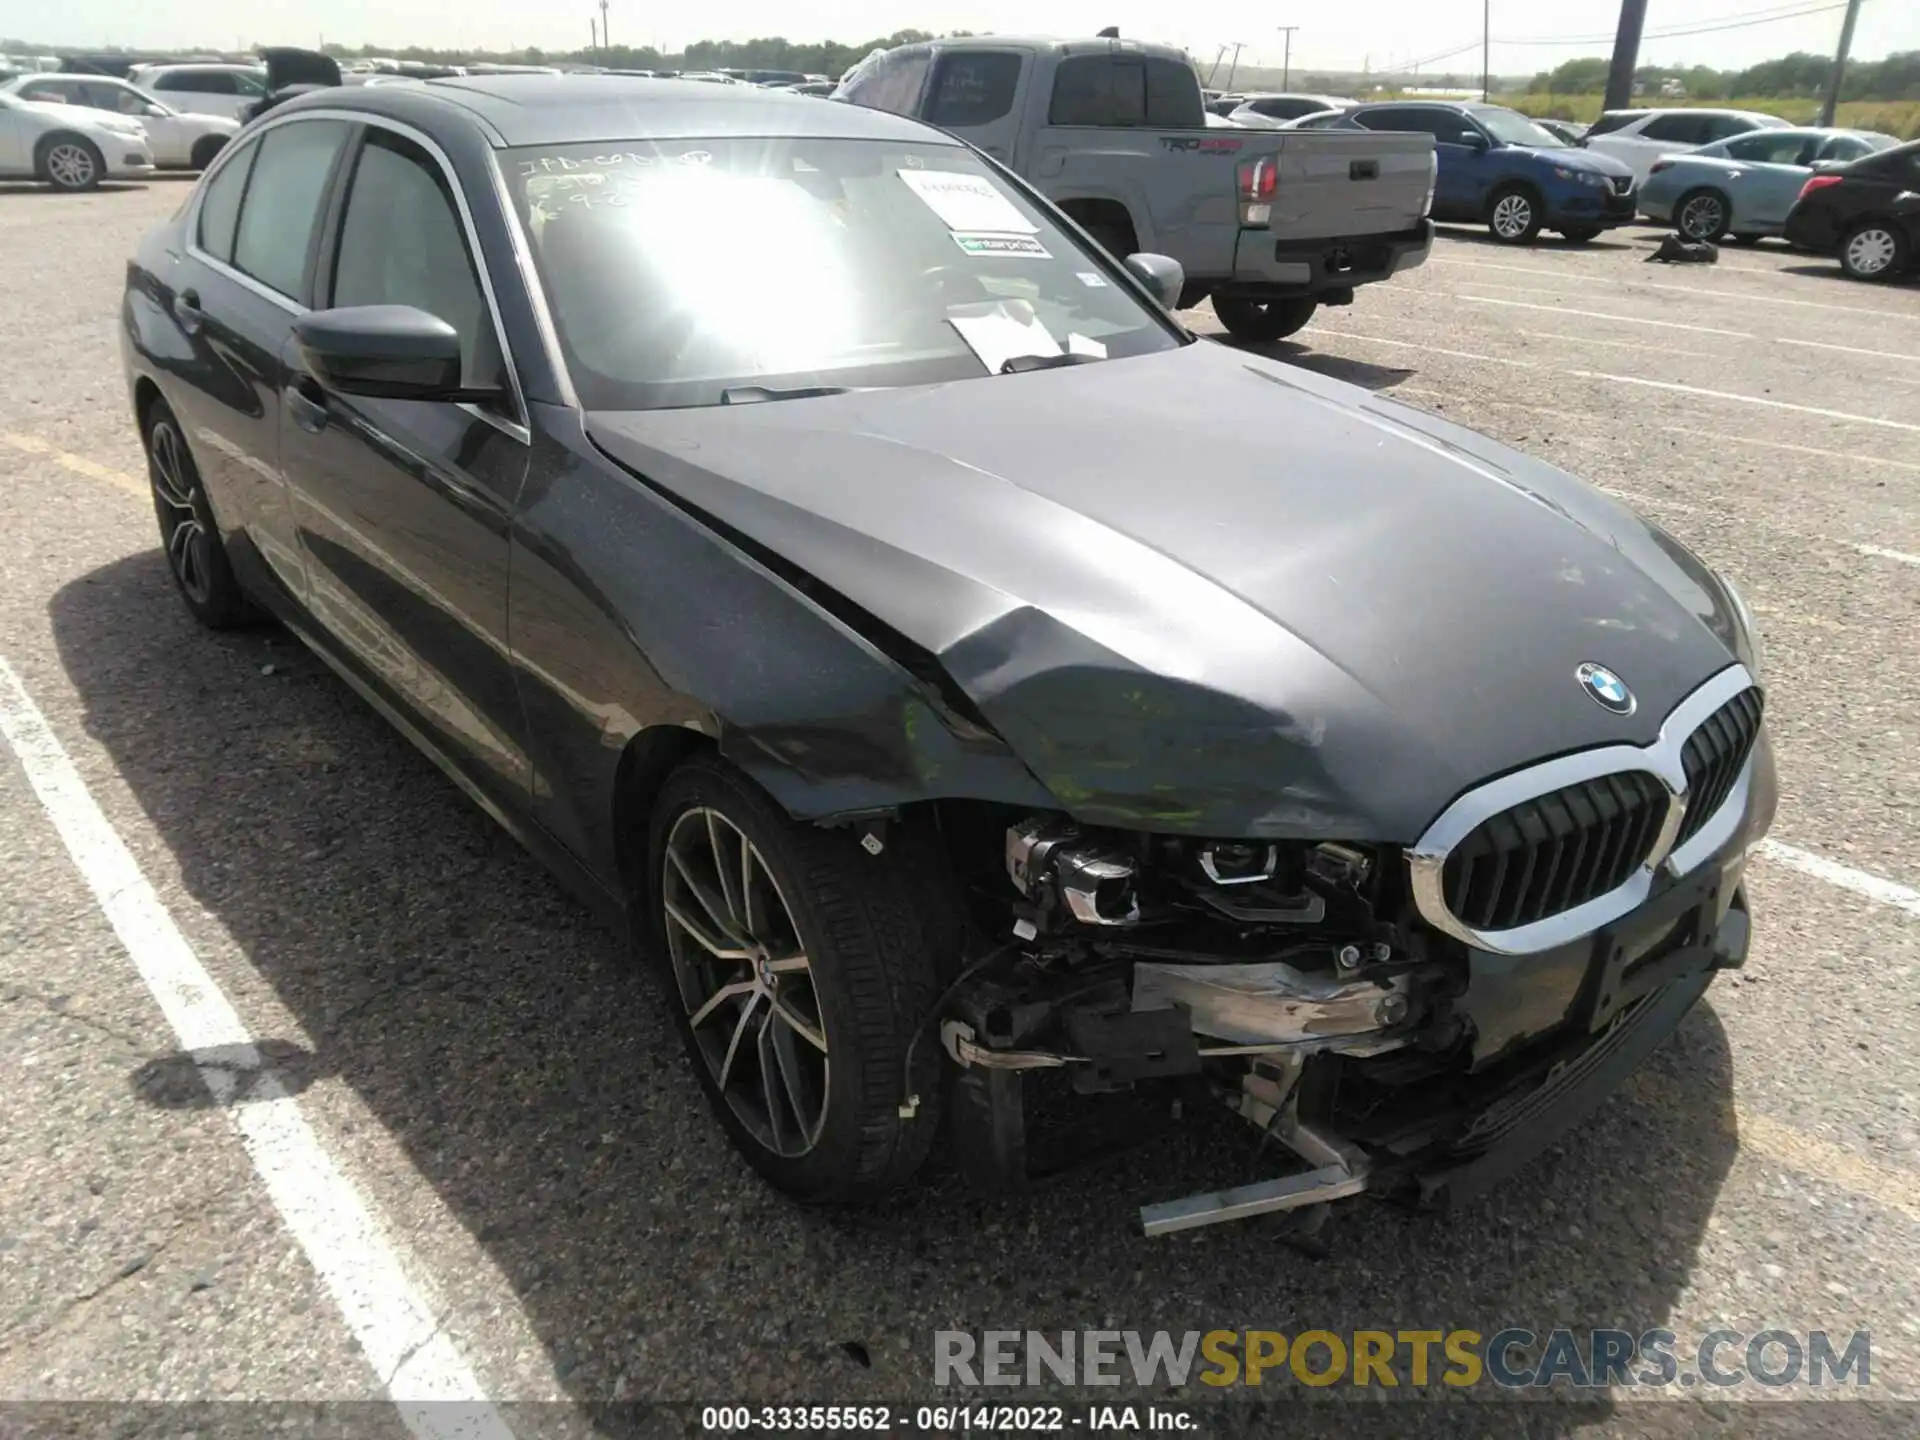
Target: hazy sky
{"x":1343,"y":36}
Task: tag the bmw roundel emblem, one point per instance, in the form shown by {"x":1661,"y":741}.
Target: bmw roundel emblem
{"x":1608,"y":690}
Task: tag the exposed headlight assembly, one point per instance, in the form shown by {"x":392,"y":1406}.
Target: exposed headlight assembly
{"x":1748,"y":640}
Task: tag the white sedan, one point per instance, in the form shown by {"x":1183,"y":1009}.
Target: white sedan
{"x":180,"y":141}
{"x":70,"y":148}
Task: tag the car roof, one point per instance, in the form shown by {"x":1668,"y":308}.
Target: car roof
{"x":572,"y":109}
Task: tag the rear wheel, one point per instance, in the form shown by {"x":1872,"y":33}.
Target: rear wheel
{"x":195,"y":557}
{"x":1262,"y":320}
{"x":1513,"y":215}
{"x":802,"y":966}
{"x":1874,"y":250}
{"x":1701,"y":215}
{"x":71,"y":162}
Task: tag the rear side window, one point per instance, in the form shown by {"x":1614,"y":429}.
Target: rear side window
{"x":892,"y":82}
{"x":1774,"y":147}
{"x":401,"y":243}
{"x":1845,"y":147}
{"x":1613,"y":120}
{"x":208,"y":82}
{"x":1117,"y":91}
{"x":283,"y":200}
{"x":1720,"y":127}
{"x":220,"y":206}
{"x":1681,"y":129}
{"x":971,"y":89}
{"x":1394,"y":117}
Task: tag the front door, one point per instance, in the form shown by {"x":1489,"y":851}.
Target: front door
{"x":403,"y":507}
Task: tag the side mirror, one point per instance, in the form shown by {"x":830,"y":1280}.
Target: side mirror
{"x":386,"y":352}
{"x":1474,"y":140}
{"x":1162,"y":274}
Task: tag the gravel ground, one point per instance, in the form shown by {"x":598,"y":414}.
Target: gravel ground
{"x":470,"y":1049}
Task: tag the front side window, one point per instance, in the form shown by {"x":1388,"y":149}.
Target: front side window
{"x":402,"y":243}
{"x":869,"y":263}
{"x":1510,"y":127}
{"x":283,"y":201}
{"x":972,"y":88}
{"x":1611,"y":121}
{"x":1721,"y":127}
{"x":220,"y":206}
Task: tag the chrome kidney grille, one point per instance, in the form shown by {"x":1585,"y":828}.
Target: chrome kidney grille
{"x":1547,"y":855}
{"x":1550,"y":853}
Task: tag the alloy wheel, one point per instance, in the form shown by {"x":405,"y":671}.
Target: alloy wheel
{"x":1512,"y":216}
{"x":744,"y":977}
{"x":181,"y":530}
{"x":1870,"y":251}
{"x":1703,"y":218}
{"x":70,"y":166}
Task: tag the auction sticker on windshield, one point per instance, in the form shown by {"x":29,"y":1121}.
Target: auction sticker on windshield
{"x":1002,"y":245}
{"x":967,"y":202}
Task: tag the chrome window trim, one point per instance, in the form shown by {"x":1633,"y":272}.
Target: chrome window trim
{"x":515,"y":426}
{"x":1427,"y":856}
{"x":522,"y":245}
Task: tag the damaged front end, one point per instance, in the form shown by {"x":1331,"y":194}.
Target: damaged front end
{"x":1300,"y":984}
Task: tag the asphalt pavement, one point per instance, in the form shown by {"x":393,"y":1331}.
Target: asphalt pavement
{"x":315,"y":1088}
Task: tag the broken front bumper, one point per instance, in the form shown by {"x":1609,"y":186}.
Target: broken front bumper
{"x":1643,"y":977}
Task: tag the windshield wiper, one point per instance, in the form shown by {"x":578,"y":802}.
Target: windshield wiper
{"x":1021,"y":363}
{"x":754,"y":394}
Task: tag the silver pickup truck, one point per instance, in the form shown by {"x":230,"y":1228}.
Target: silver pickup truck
{"x":1268,"y":224}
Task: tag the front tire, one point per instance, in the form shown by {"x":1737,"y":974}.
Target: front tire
{"x":196,"y":558}
{"x":1263,"y":320}
{"x":71,"y":162}
{"x":204,"y":150}
{"x":1874,"y":250}
{"x":801,"y":967}
{"x":1513,"y":215}
{"x":1702,"y":215}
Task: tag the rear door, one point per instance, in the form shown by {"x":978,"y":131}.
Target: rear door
{"x":1769,"y":167}
{"x":403,"y":507}
{"x":243,"y":280}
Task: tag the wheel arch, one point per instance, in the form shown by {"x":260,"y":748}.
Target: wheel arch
{"x":1096,"y":212}
{"x":146,"y":394}
{"x":52,"y":138}
{"x":648,"y":758}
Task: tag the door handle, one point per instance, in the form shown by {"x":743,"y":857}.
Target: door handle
{"x":306,"y":402}
{"x":186,"y":309}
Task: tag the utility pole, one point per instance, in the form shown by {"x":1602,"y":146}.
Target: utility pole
{"x":1286,"y":62}
{"x":605,"y":41}
{"x":1238,"y":46}
{"x":1218,"y":56}
{"x":1486,"y":48}
{"x":1626,"y":55}
{"x":1839,"y":63}
{"x":593,"y":29}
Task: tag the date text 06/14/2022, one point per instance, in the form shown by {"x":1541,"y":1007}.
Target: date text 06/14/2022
{"x":947,"y":1419}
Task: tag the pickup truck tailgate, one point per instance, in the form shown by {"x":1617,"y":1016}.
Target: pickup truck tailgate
{"x":1348,"y":182}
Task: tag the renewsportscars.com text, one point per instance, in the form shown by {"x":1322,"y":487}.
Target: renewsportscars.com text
{"x":1513,"y":1358}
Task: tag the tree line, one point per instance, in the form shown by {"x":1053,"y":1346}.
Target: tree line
{"x":1797,"y":76}
{"x":823,"y":57}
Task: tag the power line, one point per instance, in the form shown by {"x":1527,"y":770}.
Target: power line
{"x":1681,"y":33}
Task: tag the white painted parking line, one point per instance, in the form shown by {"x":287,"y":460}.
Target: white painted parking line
{"x":1704,"y":290}
{"x":1852,"y":457}
{"x":1599,"y":315}
{"x":1639,"y":345}
{"x":1429,"y":349}
{"x":438,"y":1395}
{"x":1879,"y":552}
{"x":1849,"y":350}
{"x":1744,"y":399}
{"x":1874,"y":887}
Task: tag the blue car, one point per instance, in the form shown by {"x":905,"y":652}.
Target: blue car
{"x":1499,"y":168}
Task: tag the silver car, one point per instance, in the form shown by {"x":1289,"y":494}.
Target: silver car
{"x":1745,"y":186}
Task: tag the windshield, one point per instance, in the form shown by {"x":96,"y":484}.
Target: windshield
{"x":1510,"y":127}
{"x":679,"y":271}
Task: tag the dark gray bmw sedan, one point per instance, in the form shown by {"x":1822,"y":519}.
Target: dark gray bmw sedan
{"x":981,"y":700}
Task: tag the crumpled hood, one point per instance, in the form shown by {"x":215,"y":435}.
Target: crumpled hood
{"x":1203,"y":591}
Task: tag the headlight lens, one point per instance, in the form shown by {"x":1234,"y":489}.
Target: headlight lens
{"x":1749,"y":627}
{"x":1581,"y":177}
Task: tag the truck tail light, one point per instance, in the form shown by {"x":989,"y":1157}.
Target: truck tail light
{"x":1258,"y":179}
{"x":1817,"y":182}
